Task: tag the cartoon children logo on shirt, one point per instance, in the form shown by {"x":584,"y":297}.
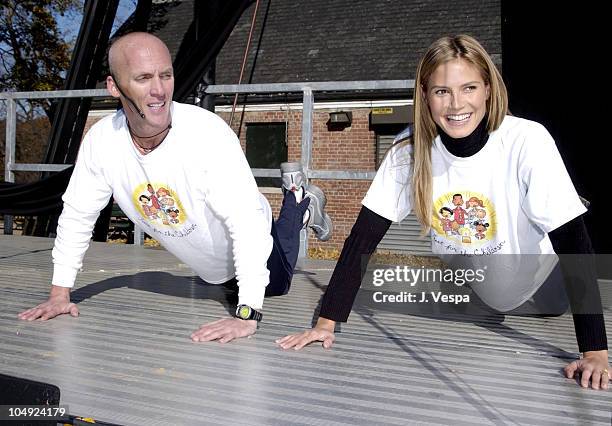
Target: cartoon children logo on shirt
{"x":464,"y":217}
{"x":159,"y":205}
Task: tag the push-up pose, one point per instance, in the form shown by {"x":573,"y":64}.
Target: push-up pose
{"x":490,"y":188}
{"x":178,"y":172}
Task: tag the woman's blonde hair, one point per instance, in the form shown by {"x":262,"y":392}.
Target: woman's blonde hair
{"x":441,"y":51}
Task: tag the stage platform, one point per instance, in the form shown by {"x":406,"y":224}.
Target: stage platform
{"x":128,"y":358}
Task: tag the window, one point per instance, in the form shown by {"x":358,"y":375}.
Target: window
{"x":383,"y":143}
{"x":266,"y":148}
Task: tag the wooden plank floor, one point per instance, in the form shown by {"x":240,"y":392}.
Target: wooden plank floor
{"x":127,"y":359}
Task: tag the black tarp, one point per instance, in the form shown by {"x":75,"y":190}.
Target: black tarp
{"x":29,"y":199}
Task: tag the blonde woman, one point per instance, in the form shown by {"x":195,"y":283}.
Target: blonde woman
{"x":464,"y":145}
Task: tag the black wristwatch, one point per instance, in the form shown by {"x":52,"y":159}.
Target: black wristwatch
{"x":245,"y":312}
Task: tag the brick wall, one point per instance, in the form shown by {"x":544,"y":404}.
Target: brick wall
{"x":353,"y":149}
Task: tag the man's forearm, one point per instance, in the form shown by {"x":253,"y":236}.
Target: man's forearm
{"x":57,"y":291}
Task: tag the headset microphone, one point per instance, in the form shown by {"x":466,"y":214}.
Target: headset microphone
{"x":128,"y":98}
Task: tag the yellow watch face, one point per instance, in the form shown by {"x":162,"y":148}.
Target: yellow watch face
{"x":245,"y":311}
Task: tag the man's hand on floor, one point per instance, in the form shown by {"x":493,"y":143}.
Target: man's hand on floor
{"x":224,"y":330}
{"x":57,"y":304}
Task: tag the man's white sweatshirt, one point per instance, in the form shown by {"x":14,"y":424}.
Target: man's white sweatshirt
{"x":195,"y":194}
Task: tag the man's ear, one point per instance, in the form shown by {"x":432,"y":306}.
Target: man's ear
{"x":112,"y":87}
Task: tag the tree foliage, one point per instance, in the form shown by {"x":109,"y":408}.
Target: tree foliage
{"x":33,"y":53}
{"x":31,"y":147}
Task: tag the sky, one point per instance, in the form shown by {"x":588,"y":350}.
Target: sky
{"x":69,"y":24}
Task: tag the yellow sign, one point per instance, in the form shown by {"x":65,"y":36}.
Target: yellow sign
{"x":381,"y":111}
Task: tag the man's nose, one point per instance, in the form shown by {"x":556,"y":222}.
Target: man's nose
{"x":157,"y":87}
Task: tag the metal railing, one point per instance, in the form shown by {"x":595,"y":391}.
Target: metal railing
{"x":10,"y":166}
{"x":307,"y":88}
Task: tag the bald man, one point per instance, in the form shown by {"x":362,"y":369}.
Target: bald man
{"x":179,"y":173}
